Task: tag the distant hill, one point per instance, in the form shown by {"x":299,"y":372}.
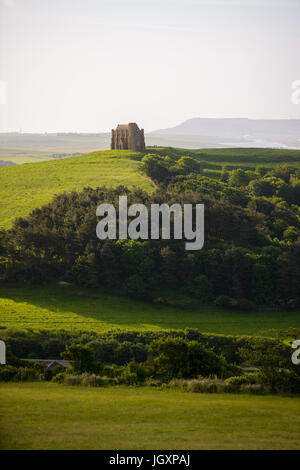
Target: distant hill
{"x":31,"y":148}
{"x":243,"y":132}
{"x":6,"y":163}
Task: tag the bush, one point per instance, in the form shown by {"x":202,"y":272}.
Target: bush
{"x":72,"y":380}
{"x":288,"y":381}
{"x":202,"y":386}
{"x":225,"y":301}
{"x":128,"y":378}
{"x":10,"y":373}
{"x":179,"y":358}
{"x":245,"y":304}
{"x":178,"y":383}
{"x":92,"y":380}
{"x":135,"y":287}
{"x":253,"y":389}
{"x":203,"y":288}
{"x":208,"y":385}
{"x":82,"y":358}
{"x":59,"y":378}
{"x":86,"y":379}
{"x":245,"y":379}
{"x":27,"y":374}
{"x":153,"y":383}
{"x":7,"y":373}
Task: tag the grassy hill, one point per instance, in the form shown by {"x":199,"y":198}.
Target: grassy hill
{"x":68,"y":308}
{"x":25,"y":187}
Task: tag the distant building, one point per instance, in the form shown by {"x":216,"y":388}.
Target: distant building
{"x":127,"y":137}
{"x":52,"y":362}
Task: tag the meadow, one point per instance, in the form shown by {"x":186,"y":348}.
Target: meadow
{"x":25,"y":187}
{"x":51,"y":416}
{"x":65,"y":307}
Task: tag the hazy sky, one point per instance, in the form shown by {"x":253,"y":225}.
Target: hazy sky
{"x":86,"y":65}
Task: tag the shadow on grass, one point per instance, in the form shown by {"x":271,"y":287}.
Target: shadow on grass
{"x":99,"y":309}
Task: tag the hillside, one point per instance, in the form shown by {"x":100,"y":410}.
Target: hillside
{"x":25,"y":187}
{"x":244,"y":132}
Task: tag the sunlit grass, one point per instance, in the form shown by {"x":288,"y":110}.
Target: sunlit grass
{"x":67,"y":308}
{"x":51,"y":416}
{"x":25,"y":187}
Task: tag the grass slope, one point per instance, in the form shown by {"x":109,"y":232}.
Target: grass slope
{"x":25,"y":187}
{"x":66,"y":308}
{"x":50,"y":416}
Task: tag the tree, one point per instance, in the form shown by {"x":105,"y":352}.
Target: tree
{"x":262,"y":187}
{"x":261,"y":170}
{"x":177,"y":357}
{"x":283,"y":172}
{"x":203,"y":288}
{"x":289,"y":273}
{"x":186,"y":165}
{"x":291,"y":234}
{"x":295,"y":185}
{"x":135,"y":287}
{"x":81,"y":358}
{"x":238,"y":177}
{"x":262,"y":287}
{"x":271,"y":356}
{"x":224,"y":174}
{"x":156,"y":168}
{"x":237,"y":272}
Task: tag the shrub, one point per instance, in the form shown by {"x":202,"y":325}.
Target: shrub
{"x":27,"y":374}
{"x":128,"y":378}
{"x":253,"y":389}
{"x":153,"y":382}
{"x":135,"y":287}
{"x":72,"y":380}
{"x":245,"y":304}
{"x":82,"y":358}
{"x":203,"y":288}
{"x":59,"y":378}
{"x":178,"y":383}
{"x":206,"y":386}
{"x":8,"y":373}
{"x":179,"y":358}
{"x":203,"y":386}
{"x":225,"y":301}
{"x":92,"y":380}
{"x":246,"y":379}
{"x":288,"y":381}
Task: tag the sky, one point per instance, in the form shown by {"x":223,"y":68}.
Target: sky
{"x":87,"y":65}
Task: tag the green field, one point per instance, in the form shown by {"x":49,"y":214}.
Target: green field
{"x":67,"y":308}
{"x":50,"y":416}
{"x":25,"y":187}
{"x":19,"y":158}
{"x":237,"y":157}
